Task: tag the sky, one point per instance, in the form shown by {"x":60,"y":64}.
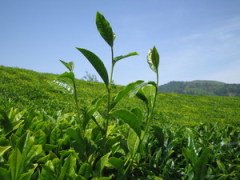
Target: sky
{"x":196,"y":40}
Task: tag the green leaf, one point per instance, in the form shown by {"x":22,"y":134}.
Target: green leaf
{"x":138,"y":112}
{"x":3,"y":149}
{"x":68,"y":169}
{"x":5,"y":122}
{"x":33,"y":152}
{"x":102,"y":163}
{"x":4,"y":174}
{"x":50,"y":147}
{"x":126,"y":91}
{"x":124,"y":56}
{"x":68,"y":65}
{"x":55,"y":136}
{"x":189,"y":155}
{"x":117,"y":163}
{"x":142,"y":97}
{"x":147,"y":94}
{"x":27,"y":175}
{"x":95,"y":105}
{"x":47,"y":172}
{"x":200,"y":167}
{"x":153,"y":59}
{"x":17,"y":124}
{"x":96,"y":63}
{"x":68,"y":75}
{"x":85,"y":170}
{"x":15,"y":163}
{"x":159,"y":135}
{"x":102,"y":178}
{"x":77,"y":141}
{"x":221,"y":166}
{"x":21,"y":143}
{"x":133,"y":141}
{"x":135,"y":91}
{"x":149,"y":91}
{"x":130,"y":118}
{"x":41,"y":138}
{"x":105,"y":29}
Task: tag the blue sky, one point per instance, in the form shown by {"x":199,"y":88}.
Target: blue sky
{"x":197,"y":40}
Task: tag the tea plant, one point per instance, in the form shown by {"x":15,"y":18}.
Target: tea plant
{"x":147,"y":92}
{"x":105,"y":30}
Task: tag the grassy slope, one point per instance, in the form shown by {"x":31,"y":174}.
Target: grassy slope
{"x":28,"y":89}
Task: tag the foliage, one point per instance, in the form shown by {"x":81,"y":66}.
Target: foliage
{"x":51,"y":148}
{"x":90,"y":77}
{"x":32,"y":90}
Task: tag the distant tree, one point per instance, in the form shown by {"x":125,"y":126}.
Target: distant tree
{"x":90,"y":77}
{"x":201,"y":87}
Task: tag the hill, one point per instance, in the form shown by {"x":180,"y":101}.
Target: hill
{"x":42,"y":133}
{"x":26,"y":89}
{"x":212,"y":88}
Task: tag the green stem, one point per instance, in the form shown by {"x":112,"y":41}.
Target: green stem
{"x":77,"y":107}
{"x":109,"y":92}
{"x":112,"y":68}
{"x":156,"y":92}
{"x":149,"y":115}
{"x":108,"y":109}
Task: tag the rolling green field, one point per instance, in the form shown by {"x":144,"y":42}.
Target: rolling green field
{"x":28,"y":89}
{"x":191,"y":137}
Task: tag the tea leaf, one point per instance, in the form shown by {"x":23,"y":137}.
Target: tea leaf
{"x":27,"y":175}
{"x":124,"y":56}
{"x":68,"y":169}
{"x":147,"y":94}
{"x":4,"y":174}
{"x":138,"y":112}
{"x":5,"y":122}
{"x":69,"y":75}
{"x":133,"y":141}
{"x":127,"y":90}
{"x":200,"y":167}
{"x":102,"y":163}
{"x":105,"y":29}
{"x":3,"y":149}
{"x":116,"y":163}
{"x":15,"y":163}
{"x":85,"y":170}
{"x":96,"y":63}
{"x":130,"y":118}
{"x":68,"y":65}
{"x":55,"y":136}
{"x":153,"y":59}
{"x":34,"y":151}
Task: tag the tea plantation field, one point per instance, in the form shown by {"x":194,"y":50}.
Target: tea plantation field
{"x":22,"y":89}
{"x":43,"y":137}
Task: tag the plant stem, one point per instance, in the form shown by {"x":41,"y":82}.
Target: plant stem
{"x":108,"y":109}
{"x":155,"y":97}
{"x":112,"y":67}
{"x":109,"y":92}
{"x":149,"y":115}
{"x":77,"y":107}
